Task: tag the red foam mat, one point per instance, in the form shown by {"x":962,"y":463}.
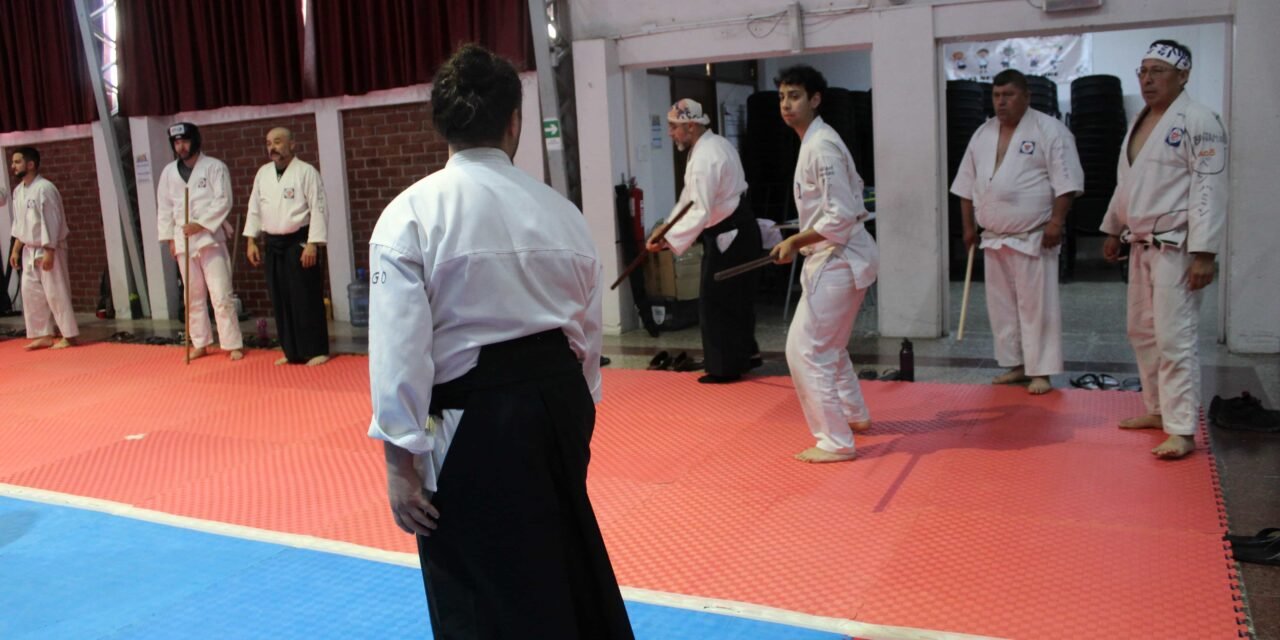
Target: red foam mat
{"x":971,"y":509}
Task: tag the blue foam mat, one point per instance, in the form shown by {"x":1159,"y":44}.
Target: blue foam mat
{"x":71,"y":573}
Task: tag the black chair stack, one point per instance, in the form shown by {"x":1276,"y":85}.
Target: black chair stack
{"x":968,"y":104}
{"x":1044,"y":95}
{"x":1099,"y":124}
{"x":769,"y":152}
{"x":863,"y":147}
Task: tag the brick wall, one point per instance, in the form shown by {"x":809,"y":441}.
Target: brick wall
{"x":70,"y":166}
{"x":387,"y":150}
{"x":243,"y":147}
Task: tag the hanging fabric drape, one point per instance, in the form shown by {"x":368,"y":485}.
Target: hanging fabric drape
{"x":44,"y":79}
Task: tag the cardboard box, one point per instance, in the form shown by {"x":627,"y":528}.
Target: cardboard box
{"x":667,"y":275}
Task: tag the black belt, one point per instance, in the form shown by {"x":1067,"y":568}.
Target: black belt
{"x":536,"y":357}
{"x":280,"y":243}
{"x":736,"y":220}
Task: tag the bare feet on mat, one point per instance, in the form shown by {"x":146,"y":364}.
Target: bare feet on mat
{"x":317,"y":361}
{"x":282,"y":360}
{"x":816,"y":455}
{"x":860,"y":426}
{"x":198,"y":352}
{"x":236,"y":354}
{"x":1149,"y":421}
{"x":1016,"y":375}
{"x":63,"y":344}
{"x":1040,"y":385}
{"x":1175,"y":447}
{"x":39,"y":343}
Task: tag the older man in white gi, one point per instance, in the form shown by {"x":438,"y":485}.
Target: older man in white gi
{"x":1170,"y":205}
{"x":841,"y":264}
{"x":287,"y":206}
{"x":39,"y":250}
{"x":715,"y":183}
{"x":1019,"y":176}
{"x":202,"y":184}
{"x":484,"y":346}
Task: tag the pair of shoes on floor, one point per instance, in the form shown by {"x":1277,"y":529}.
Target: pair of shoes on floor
{"x":1263,"y":548}
{"x":1244,"y":413}
{"x":1105,"y":381}
{"x":682,"y":362}
{"x":711,"y":378}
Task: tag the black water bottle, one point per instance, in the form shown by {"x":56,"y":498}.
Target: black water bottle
{"x":906,"y":362}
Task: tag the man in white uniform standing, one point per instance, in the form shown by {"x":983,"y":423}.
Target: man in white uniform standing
{"x":1018,"y":178}
{"x":841,"y":264}
{"x":204,"y":183}
{"x":715,"y":183}
{"x":1170,"y":205}
{"x":484,"y":345}
{"x":287,"y":206}
{"x":39,"y":250}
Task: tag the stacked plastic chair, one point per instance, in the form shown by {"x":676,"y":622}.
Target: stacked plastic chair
{"x":968,"y":106}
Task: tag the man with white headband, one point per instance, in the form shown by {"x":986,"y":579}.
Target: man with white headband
{"x":715,"y":183}
{"x":1170,"y":205}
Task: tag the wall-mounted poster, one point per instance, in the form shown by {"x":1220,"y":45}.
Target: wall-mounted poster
{"x":1062,"y":58}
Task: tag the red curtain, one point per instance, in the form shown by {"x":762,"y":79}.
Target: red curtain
{"x":44,"y":79}
{"x":382,"y":44}
{"x":186,"y":55}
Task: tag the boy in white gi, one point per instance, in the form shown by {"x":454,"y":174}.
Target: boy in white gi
{"x":1019,"y":176}
{"x":39,"y":250}
{"x":841,"y":264}
{"x":208,"y":185}
{"x":1170,"y":205}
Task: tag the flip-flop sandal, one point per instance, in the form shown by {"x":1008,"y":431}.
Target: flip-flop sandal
{"x":868,"y":374}
{"x":1269,"y":533}
{"x":660,"y":361}
{"x":1258,"y":554}
{"x":889,"y":375}
{"x":1087,"y":381}
{"x":1131,"y":384}
{"x":1106,"y":381}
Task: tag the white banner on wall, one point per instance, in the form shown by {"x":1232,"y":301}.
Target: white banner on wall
{"x":1061,"y":58}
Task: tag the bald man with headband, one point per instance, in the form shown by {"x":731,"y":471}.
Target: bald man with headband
{"x":1170,"y":206}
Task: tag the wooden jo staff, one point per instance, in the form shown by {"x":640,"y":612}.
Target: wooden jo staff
{"x":644,"y":253}
{"x":964,"y":300}
{"x":743,"y":268}
{"x":186,"y":278}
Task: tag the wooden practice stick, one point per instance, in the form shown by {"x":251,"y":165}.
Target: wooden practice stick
{"x":964,"y":300}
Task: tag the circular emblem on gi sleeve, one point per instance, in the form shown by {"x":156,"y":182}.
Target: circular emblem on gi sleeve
{"x":1174,"y":139}
{"x":1028,"y":147}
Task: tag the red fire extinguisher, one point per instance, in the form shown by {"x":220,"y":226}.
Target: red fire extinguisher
{"x":637,"y":214}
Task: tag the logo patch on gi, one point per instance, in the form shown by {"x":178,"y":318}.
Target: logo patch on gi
{"x":288,"y":192}
{"x":1027,"y":148}
{"x":204,"y":183}
{"x":31,"y":204}
{"x":1174,"y":139}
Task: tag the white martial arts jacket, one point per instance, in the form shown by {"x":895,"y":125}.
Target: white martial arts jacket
{"x":828,"y":192}
{"x":475,"y":254}
{"x":1013,"y":203}
{"x":714,"y":181}
{"x":210,"y":202}
{"x":282,"y":205}
{"x":38,"y":218}
{"x":1175,"y":191}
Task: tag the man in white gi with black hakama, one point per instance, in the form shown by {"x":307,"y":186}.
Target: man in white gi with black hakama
{"x":1019,"y":176}
{"x":720,"y":217}
{"x":204,"y":181}
{"x":39,"y":234}
{"x":484,"y":367}
{"x":287,"y":208}
{"x":1170,"y":205}
{"x":841,"y":262}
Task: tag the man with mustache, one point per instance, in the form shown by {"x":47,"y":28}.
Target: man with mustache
{"x":202,"y":183}
{"x":287,"y":207}
{"x":39,"y":251}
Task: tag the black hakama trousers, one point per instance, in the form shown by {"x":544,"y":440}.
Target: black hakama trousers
{"x":727,"y":308}
{"x":297,"y":297}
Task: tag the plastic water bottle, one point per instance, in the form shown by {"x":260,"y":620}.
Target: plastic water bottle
{"x":906,"y":362}
{"x":358,"y":296}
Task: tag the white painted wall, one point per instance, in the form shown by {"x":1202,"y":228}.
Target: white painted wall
{"x":846,"y":69}
{"x":1119,"y":53}
{"x":660,"y":194}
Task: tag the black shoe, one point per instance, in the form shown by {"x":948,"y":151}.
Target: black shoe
{"x":683,"y":362}
{"x":711,"y":378}
{"x":604,"y":361}
{"x":755,"y":362}
{"x":660,"y":361}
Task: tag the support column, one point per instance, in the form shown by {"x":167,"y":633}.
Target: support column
{"x":602,"y":120}
{"x":112,"y":225}
{"x":333,"y":171}
{"x":910,"y":223}
{"x":151,"y":152}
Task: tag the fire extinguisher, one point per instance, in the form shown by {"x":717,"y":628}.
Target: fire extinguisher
{"x":637,"y":215}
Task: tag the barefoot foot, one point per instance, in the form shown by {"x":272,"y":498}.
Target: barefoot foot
{"x":1040,"y":385}
{"x":1149,"y":421}
{"x":198,"y":352}
{"x":860,"y":426}
{"x":1175,"y":447}
{"x":63,"y":344}
{"x":236,"y":354}
{"x":816,"y":455}
{"x":317,"y":361}
{"x":1016,"y":375}
{"x":39,"y":343}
